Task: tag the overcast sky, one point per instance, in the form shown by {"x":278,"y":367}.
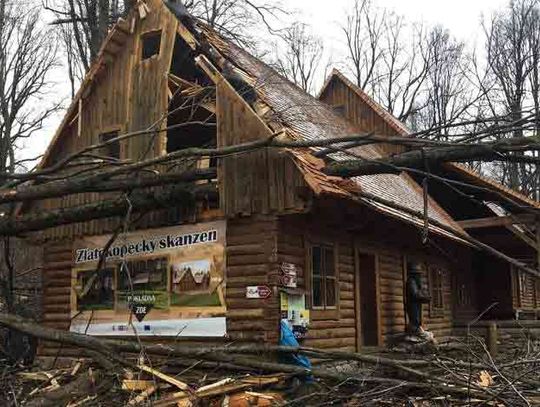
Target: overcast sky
{"x":461,"y":17}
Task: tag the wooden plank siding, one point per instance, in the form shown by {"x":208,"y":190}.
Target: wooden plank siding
{"x":127,"y":94}
{"x":263,"y":181}
{"x":345,"y":100}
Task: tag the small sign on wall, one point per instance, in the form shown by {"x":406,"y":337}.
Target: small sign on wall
{"x":289,"y":277}
{"x":258,"y":291}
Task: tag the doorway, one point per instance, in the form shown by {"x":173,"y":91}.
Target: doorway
{"x":369,"y":312}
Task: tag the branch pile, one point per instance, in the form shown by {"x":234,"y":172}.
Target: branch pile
{"x":116,"y":372}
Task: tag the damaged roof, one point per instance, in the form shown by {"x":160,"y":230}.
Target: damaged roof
{"x":307,"y":118}
{"x":303,"y":117}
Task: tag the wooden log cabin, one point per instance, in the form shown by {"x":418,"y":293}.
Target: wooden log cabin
{"x":272,"y":237}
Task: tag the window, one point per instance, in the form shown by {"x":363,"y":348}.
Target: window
{"x":95,"y":291}
{"x":324,"y":281}
{"x":463,"y":295}
{"x":339,"y":109}
{"x":522,"y":284}
{"x":436,"y":278}
{"x":112,"y":149}
{"x":151,"y":42}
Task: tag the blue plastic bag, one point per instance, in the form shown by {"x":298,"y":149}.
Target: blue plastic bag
{"x":288,"y":339}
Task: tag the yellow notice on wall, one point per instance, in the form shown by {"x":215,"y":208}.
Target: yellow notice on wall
{"x":284,"y":301}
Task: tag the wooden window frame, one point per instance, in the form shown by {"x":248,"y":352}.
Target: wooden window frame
{"x":436,"y":310}
{"x":141,"y":42}
{"x":324,"y":311}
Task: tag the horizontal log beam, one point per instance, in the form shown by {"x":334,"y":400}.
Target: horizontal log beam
{"x":496,"y":221}
{"x":179,"y":195}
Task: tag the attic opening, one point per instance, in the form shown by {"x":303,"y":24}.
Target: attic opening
{"x":183,"y":64}
{"x":191,"y":120}
{"x":112,"y":148}
{"x":151,"y":43}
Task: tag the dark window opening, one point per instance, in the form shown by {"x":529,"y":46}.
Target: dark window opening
{"x":323,"y":277}
{"x":339,"y":109}
{"x":191,"y":121}
{"x":151,"y":43}
{"x":112,"y":149}
{"x":436,"y":286}
{"x":183,"y":64}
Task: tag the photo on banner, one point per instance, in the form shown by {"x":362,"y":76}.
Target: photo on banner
{"x":162,"y":282}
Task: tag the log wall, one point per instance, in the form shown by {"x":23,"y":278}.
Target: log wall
{"x":341,"y":329}
{"x":56,"y":277}
{"x":251,"y":261}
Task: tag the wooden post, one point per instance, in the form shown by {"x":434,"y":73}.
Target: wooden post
{"x":492,"y":339}
{"x":536,"y":279}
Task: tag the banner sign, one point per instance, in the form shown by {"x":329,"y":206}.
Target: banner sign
{"x":165,"y":282}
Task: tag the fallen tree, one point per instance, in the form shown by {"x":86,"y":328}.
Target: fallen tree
{"x":179,"y":195}
{"x":489,"y":151}
{"x":427,"y":376}
{"x":88,"y":184}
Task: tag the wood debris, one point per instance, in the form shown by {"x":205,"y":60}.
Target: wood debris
{"x":259,"y":375}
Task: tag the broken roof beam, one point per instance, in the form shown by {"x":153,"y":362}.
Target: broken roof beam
{"x":497,"y":221}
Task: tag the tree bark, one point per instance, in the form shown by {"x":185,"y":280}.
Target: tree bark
{"x":417,"y":158}
{"x":73,"y":186}
{"x":141,"y":201}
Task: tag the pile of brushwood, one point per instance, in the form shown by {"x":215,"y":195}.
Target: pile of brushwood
{"x":132,"y":373}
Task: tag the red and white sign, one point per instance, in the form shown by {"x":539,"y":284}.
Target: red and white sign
{"x":289,"y":275}
{"x":258,"y":291}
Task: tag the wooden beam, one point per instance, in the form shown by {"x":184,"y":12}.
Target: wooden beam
{"x":520,"y":234}
{"x":187,"y":36}
{"x":496,"y":221}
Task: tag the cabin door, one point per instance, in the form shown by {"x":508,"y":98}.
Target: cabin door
{"x":367,"y":290}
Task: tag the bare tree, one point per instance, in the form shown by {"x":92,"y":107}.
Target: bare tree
{"x":299,"y":57}
{"x":509,"y":61}
{"x":27,"y":57}
{"x":88,"y":22}
{"x":239,"y":20}
{"x":388,"y":57}
{"x":363,"y":36}
{"x":449,"y":91}
{"x":403,"y":67}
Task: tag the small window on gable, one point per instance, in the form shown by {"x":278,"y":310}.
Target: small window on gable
{"x":151,"y":43}
{"x":112,"y":148}
{"x":339,"y":109}
{"x":324,"y":281}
